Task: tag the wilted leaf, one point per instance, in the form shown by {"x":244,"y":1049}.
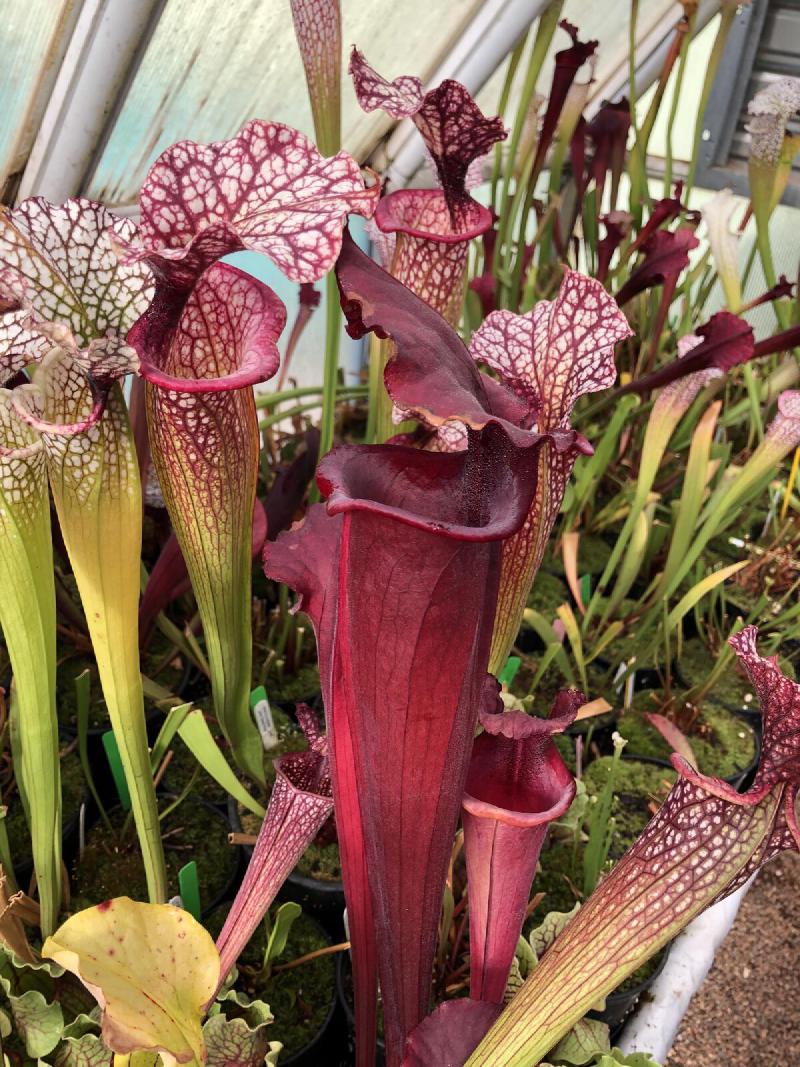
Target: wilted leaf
{"x":152,"y":969}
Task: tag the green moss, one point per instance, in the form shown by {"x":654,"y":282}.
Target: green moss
{"x":168,"y":673}
{"x":733,"y":688}
{"x":558,"y":878}
{"x":321,"y":862}
{"x":73,"y":791}
{"x":566,"y":746}
{"x":637,"y":788}
{"x":722,"y":742}
{"x":593,"y":554}
{"x":301,"y":998}
{"x":112,"y":866}
{"x":548,"y":593}
{"x":292,"y":687}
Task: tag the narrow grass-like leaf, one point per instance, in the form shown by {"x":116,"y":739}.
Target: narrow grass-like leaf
{"x":699,"y":590}
{"x":197,"y":736}
{"x":695,"y":481}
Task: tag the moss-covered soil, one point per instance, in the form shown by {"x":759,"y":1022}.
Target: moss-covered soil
{"x":73,"y":791}
{"x":321,"y":862}
{"x":300,"y":998}
{"x":291,"y":687}
{"x":723,"y":743}
{"x":111,"y":865}
{"x":639,"y":790}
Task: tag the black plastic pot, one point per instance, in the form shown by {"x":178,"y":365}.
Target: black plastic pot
{"x":70,"y":833}
{"x":343,"y":977}
{"x":739,"y":780}
{"x":322,"y":899}
{"x":231,"y":884}
{"x":619,"y":1005}
{"x":98,"y":761}
{"x":329,"y":1044}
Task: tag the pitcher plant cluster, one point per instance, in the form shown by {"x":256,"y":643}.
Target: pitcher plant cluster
{"x":520,"y":342}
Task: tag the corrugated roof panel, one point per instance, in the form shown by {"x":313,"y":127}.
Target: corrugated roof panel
{"x":210,"y":67}
{"x":35,"y":33}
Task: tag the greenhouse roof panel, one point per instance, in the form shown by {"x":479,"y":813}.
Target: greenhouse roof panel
{"x":35,"y":33}
{"x":210,"y":67}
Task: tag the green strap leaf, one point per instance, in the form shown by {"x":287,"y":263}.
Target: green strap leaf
{"x":195,"y":732}
{"x":28,"y":621}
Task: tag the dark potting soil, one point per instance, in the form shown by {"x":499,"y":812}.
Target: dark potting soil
{"x":723,"y":743}
{"x":66,"y":704}
{"x":346,"y":979}
{"x":73,"y":791}
{"x":183,"y":765}
{"x":321,"y":862}
{"x":300,"y":998}
{"x":111,"y":866}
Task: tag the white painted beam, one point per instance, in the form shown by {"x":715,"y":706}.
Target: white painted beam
{"x":105,"y":43}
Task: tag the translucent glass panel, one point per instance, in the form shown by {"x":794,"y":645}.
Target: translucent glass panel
{"x":33,"y":36}
{"x":606,"y":22}
{"x":210,"y":67}
{"x":682,"y":133}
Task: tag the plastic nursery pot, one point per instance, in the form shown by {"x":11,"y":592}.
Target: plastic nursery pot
{"x":736,"y":778}
{"x":308,"y":1019}
{"x":74,"y":795}
{"x":101,"y":772}
{"x":344,"y":992}
{"x":195,"y":830}
{"x":319,"y":897}
{"x":623,"y":1000}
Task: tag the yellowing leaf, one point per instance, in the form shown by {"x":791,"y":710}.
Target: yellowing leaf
{"x":152,"y":969}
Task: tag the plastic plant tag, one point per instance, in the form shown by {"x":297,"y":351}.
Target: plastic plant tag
{"x":190,"y":889}
{"x":262,"y":713}
{"x":115,"y":763}
{"x":509,"y":672}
